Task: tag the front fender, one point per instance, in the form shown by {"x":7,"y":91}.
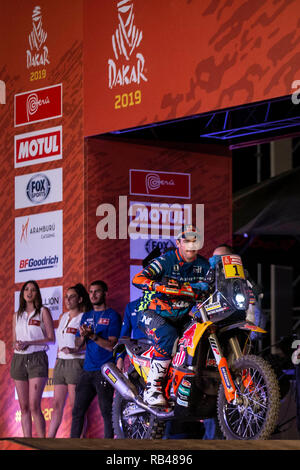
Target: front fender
{"x":197,"y":335}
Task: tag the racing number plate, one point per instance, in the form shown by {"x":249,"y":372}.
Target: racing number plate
{"x":233,"y":266}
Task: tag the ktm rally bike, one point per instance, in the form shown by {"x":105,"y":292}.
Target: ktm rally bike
{"x":212,"y":374}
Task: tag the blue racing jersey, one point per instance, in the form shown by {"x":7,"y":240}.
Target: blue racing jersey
{"x":171,"y":265}
{"x":129,"y":325}
{"x":105,"y":323}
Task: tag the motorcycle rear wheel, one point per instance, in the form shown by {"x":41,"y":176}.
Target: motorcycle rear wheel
{"x":130,"y":425}
{"x":257,"y":417}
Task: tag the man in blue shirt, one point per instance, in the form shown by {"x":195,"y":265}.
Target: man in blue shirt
{"x":99,"y":330}
{"x":129,"y":325}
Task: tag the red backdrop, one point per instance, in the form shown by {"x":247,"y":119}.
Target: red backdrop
{"x":62,"y":28}
{"x":108,"y":177}
{"x":161,"y":60}
{"x":124,"y":64}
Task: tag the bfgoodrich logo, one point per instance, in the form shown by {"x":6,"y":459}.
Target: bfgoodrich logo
{"x":126,"y":42}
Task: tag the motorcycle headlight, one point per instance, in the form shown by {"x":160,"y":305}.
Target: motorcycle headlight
{"x":239,"y":296}
{"x":240,"y":300}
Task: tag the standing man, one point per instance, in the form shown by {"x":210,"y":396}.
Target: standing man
{"x":176,"y":281}
{"x":99,"y":330}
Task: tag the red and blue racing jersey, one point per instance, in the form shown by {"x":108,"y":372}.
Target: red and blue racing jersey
{"x":172,"y":266}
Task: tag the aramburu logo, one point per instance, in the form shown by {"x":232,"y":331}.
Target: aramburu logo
{"x":38,"y":53}
{"x":128,"y":65}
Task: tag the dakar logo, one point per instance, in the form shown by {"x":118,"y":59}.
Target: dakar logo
{"x":125,"y":41}
{"x":38,"y":53}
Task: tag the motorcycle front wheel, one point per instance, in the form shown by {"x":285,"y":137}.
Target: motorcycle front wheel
{"x":255,"y":415}
{"x":130,"y":422}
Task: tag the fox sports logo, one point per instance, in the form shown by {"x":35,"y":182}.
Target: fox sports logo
{"x":38,"y":188}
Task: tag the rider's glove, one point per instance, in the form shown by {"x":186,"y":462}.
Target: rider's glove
{"x":187,"y":291}
{"x":202,"y":286}
{"x":184,"y":291}
{"x":165,"y":289}
{"x":214,"y":260}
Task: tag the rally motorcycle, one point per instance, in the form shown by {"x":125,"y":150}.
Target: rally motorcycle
{"x":212,"y":373}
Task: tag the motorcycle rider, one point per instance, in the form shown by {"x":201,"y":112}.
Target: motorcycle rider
{"x":176,"y":279}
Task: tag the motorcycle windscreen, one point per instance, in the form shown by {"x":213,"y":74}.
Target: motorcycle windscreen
{"x":231,"y":282}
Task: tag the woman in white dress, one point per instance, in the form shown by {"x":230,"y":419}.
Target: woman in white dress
{"x":32,"y":333}
{"x":69,"y":360}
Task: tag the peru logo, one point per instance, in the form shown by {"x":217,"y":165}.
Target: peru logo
{"x":128,"y":65}
{"x":160,"y":183}
{"x":38,"y":105}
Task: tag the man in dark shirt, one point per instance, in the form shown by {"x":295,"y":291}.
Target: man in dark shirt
{"x":99,"y":329}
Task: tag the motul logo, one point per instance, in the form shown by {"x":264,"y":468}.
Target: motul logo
{"x":38,"y":147}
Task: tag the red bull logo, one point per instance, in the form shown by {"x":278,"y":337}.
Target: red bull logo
{"x":187,"y":339}
{"x":151,"y":332}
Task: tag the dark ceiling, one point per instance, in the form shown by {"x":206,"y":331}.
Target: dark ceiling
{"x":246,"y":130}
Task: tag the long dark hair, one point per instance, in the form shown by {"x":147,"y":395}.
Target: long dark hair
{"x":38,"y":303}
{"x":81,"y":291}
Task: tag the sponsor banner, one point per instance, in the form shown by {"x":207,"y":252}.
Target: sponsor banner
{"x":39,"y":246}
{"x":154,"y":224}
{"x":38,"y":105}
{"x":38,"y":188}
{"x":166,"y":60}
{"x":160,"y":184}
{"x":38,"y":147}
{"x":52,"y":298}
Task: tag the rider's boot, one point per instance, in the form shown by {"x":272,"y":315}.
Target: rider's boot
{"x":153,"y":395}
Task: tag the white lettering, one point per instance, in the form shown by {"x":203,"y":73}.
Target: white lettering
{"x":38,"y":147}
{"x":36,"y":59}
{"x":124,"y":75}
{"x":109,"y":221}
{"x":296,"y":354}
{"x":2,"y":92}
{"x":155,"y":221}
{"x":295,"y":95}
